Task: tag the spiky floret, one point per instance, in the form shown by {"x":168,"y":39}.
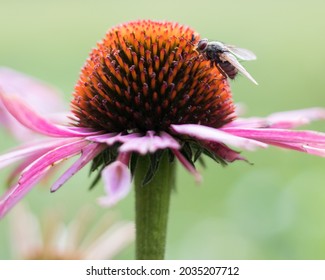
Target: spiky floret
{"x":146,"y":75}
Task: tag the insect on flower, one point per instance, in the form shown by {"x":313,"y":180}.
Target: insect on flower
{"x":224,"y":57}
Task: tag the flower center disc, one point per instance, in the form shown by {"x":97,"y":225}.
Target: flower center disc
{"x":146,"y":75}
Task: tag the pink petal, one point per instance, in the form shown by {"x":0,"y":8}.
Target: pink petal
{"x":33,"y":92}
{"x":117,"y":181}
{"x":278,"y":135}
{"x":304,"y":141}
{"x":295,"y":118}
{"x":87,"y":154}
{"x":112,"y":138}
{"x":317,"y":150}
{"x":248,"y":122}
{"x":20,"y":168}
{"x":35,"y":122}
{"x":289,"y":119}
{"x":32,"y":150}
{"x":35,"y":171}
{"x":150,"y":143}
{"x":217,"y":135}
{"x":60,"y":117}
{"x":124,"y":158}
{"x":188,"y":166}
{"x":221,"y":150}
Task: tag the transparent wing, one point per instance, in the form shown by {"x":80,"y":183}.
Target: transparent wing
{"x":242,"y":54}
{"x":234,"y":62}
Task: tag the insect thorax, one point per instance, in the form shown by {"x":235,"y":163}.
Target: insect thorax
{"x":213,"y":51}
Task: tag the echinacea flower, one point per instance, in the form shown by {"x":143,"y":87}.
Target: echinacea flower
{"x":49,"y":238}
{"x":145,"y":90}
{"x":33,"y":92}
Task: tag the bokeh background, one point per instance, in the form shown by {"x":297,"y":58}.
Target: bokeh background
{"x":273,"y":209}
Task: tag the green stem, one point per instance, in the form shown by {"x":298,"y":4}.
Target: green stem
{"x":152,"y":204}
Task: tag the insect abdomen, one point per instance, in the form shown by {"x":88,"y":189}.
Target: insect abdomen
{"x":229,"y":69}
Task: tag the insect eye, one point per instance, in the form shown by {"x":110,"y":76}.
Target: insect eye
{"x":201,"y":46}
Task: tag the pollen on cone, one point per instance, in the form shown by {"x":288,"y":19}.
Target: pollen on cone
{"x":146,"y":75}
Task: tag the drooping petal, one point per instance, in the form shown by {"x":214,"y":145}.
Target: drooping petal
{"x":53,"y":157}
{"x":112,"y":138}
{"x":30,"y":119}
{"x":31,"y":89}
{"x":305,"y":141}
{"x":61,"y":118}
{"x":87,"y":154}
{"x":150,"y":143}
{"x":32,"y":150}
{"x":217,"y":135}
{"x":317,"y":150}
{"x":188,"y":166}
{"x":221,"y":150}
{"x":35,"y":172}
{"x":21,"y":166}
{"x":284,"y":120}
{"x":279,"y":135}
{"x":295,"y":118}
{"x":124,"y":158}
{"x":117,"y":182}
{"x":34,"y":93}
{"x":252,"y":122}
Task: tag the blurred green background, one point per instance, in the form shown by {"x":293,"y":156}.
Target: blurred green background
{"x":273,"y":209}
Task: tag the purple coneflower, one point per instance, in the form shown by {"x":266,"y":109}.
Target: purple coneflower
{"x":145,"y":97}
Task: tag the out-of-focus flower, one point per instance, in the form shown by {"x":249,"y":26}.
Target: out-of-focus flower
{"x":143,"y":90}
{"x":45,"y":99}
{"x":49,"y":238}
